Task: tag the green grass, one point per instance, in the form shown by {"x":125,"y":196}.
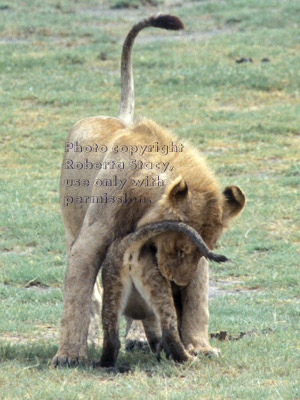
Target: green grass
{"x":59,"y":62}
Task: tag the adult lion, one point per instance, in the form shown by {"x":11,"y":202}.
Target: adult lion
{"x":118,"y":176}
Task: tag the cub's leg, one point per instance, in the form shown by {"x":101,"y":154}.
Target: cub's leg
{"x":195,"y":315}
{"x":156,"y":290}
{"x":135,"y":336}
{"x":153,"y":333}
{"x":135,"y":332}
{"x":116,"y":287}
{"x":111,"y":307}
{"x":84,"y":260}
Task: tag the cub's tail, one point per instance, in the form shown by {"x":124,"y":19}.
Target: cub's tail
{"x":166,"y":21}
{"x":144,"y":233}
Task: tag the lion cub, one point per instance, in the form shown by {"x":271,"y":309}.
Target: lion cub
{"x":134,"y":285}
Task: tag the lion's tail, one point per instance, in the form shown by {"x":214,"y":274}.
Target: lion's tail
{"x":127,"y":87}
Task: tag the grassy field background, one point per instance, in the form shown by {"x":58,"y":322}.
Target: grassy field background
{"x":59,"y":63}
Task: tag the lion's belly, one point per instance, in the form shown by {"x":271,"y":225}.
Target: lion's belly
{"x":98,"y":178}
{"x":85,"y":146}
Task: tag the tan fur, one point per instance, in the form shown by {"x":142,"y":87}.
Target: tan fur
{"x":146,"y":296}
{"x":134,"y":286}
{"x":190,"y":193}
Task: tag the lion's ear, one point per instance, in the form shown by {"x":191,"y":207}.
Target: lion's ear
{"x":177,"y":190}
{"x":234,"y":201}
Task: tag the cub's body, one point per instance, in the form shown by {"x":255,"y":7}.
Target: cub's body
{"x":137,"y":289}
{"x":136,"y":285}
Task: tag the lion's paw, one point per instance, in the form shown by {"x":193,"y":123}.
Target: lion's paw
{"x":207,"y":351}
{"x":211,"y":352}
{"x":68,"y":361}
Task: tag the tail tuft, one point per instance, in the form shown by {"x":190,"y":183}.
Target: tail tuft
{"x":219,"y":258}
{"x":167,"y":21}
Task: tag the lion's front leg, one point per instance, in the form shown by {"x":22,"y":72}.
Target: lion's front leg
{"x":195,"y":314}
{"x":83,"y":264}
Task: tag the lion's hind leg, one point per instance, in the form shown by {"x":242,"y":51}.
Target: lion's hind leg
{"x":81,"y":274}
{"x":135,"y":337}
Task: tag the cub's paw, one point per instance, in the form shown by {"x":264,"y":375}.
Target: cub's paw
{"x":136,"y":344}
{"x":122,"y":369}
{"x":60,"y":360}
{"x":135,"y":336}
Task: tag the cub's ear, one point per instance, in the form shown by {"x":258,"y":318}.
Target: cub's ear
{"x":234,"y":201}
{"x":176,"y":191}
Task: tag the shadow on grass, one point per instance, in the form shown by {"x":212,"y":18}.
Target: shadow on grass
{"x":35,"y":354}
{"x":39,"y":356}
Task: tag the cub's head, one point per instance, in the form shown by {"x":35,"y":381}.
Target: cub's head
{"x":177,"y":257}
{"x":205,"y":208}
